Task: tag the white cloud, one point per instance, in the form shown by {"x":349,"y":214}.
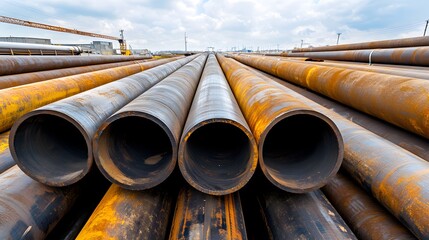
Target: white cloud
{"x":160,"y":25}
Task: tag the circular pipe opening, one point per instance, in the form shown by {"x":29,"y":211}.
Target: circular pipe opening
{"x":217,"y":157}
{"x":135,"y":152}
{"x":300,"y":153}
{"x":51,"y":149}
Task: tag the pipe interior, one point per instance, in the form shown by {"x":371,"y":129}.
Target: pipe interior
{"x":51,"y":147}
{"x":217,"y":156}
{"x":300,"y":151}
{"x":134,"y":150}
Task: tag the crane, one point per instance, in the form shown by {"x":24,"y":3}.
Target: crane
{"x":121,"y":40}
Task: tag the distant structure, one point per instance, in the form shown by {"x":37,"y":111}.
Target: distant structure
{"x":96,"y":47}
{"x":26,"y":40}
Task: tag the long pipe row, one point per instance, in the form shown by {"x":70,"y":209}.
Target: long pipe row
{"x":14,"y":80}
{"x":397,"y":178}
{"x":64,"y":129}
{"x":17,"y":101}
{"x":399,"y":100}
{"x":23,"y":64}
{"x":393,"y":43}
{"x":417,"y":56}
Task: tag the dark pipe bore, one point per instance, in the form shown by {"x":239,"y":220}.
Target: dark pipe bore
{"x":50,"y":149}
{"x":135,"y":152}
{"x":217,"y":158}
{"x":300,"y":153}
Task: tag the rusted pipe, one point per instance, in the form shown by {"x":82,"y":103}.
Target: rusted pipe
{"x":217,"y":153}
{"x":399,"y":100}
{"x":416,"y":144}
{"x":397,"y":178}
{"x":125,"y":214}
{"x":393,"y":43}
{"x":299,"y":149}
{"x":365,"y":216}
{"x":202,"y":216}
{"x":64,"y":129}
{"x":23,"y":64}
{"x":136,"y":147}
{"x":6,"y":160}
{"x":418,"y":56}
{"x":301,"y":216}
{"x":32,"y":77}
{"x":17,"y":101}
{"x":385,"y":69}
{"x":28,"y":209}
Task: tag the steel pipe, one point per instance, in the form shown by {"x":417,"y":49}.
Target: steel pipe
{"x":125,"y":214}
{"x":28,"y":209}
{"x":399,"y":100}
{"x":301,"y":216}
{"x":414,"y":143}
{"x":217,"y":153}
{"x":26,"y":78}
{"x":24,"y":64}
{"x":64,"y":129}
{"x":366,"y":217}
{"x":385,"y":69}
{"x":418,"y":56}
{"x":299,"y":149}
{"x":6,"y":160}
{"x":136,"y":147}
{"x":393,"y":43}
{"x":14,"y":48}
{"x":397,"y":178}
{"x":17,"y":101}
{"x":203,"y":216}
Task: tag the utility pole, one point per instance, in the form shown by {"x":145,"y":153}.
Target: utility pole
{"x":338,"y":38}
{"x":302,"y":42}
{"x":186,"y":43}
{"x":426,"y":27}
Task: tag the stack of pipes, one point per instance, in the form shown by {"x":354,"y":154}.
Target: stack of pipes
{"x":210,"y":147}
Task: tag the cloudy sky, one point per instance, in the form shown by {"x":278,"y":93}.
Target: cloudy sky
{"x":222,"y":24}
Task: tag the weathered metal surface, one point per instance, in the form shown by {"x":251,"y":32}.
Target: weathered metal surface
{"x":17,"y":101}
{"x":6,"y":160}
{"x":393,"y":43}
{"x":202,"y":216}
{"x":365,"y":216}
{"x":15,"y":48}
{"x":399,"y":100}
{"x":299,"y":149}
{"x":301,"y":216}
{"x":126,"y":214}
{"x":23,"y":64}
{"x":28,"y":209}
{"x":64,"y":129}
{"x":418,"y":56}
{"x":32,"y":77}
{"x":416,"y":144}
{"x":136,"y":147}
{"x":217,"y":153}
{"x":385,"y":69}
{"x":398,"y":179}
